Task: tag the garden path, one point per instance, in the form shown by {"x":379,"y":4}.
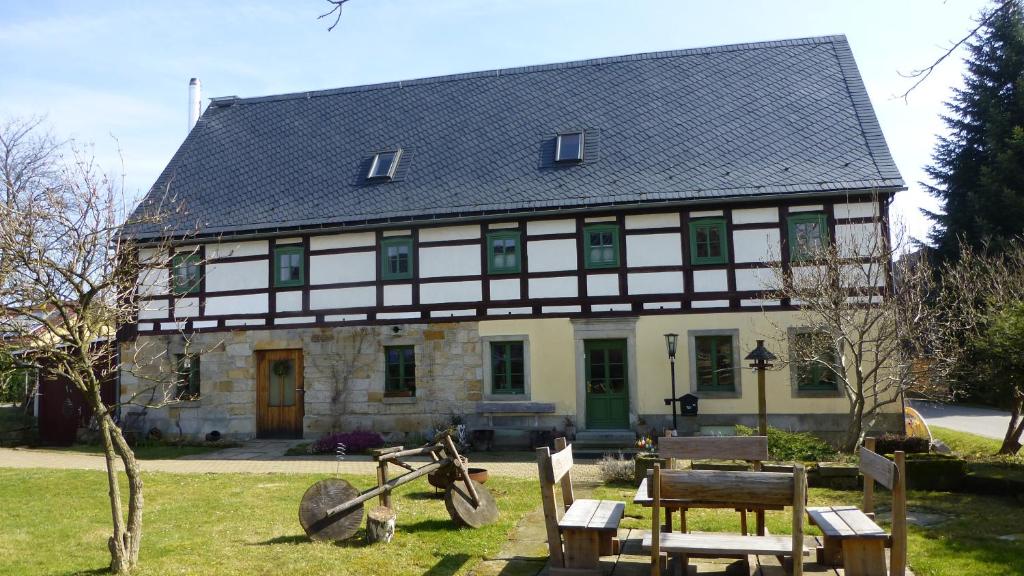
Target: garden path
{"x":981,"y":421}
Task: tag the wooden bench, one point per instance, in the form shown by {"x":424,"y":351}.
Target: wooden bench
{"x":851,"y":538}
{"x":579,"y":531}
{"x":752,"y":449}
{"x":769,"y":488}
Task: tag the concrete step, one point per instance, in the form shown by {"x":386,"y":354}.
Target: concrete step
{"x":604,"y":439}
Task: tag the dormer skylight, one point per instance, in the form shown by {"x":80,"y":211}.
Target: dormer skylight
{"x":569,"y":147}
{"x":384,"y":165}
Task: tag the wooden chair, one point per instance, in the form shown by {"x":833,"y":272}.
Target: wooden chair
{"x":753,"y":449}
{"x":579,"y":531}
{"x":714,"y":486}
{"x":852,"y":539}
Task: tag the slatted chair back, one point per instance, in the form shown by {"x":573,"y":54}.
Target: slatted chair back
{"x":717,"y":486}
{"x":753,"y":449}
{"x":892,"y":475}
{"x":555,"y":468}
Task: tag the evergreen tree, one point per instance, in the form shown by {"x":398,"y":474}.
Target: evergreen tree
{"x":978,"y":168}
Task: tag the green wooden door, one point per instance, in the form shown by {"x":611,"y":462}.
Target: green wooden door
{"x":607,"y":386}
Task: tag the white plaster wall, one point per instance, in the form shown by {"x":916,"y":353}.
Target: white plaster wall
{"x":237,"y":249}
{"x":855,"y":240}
{"x":437,"y":292}
{"x":655,"y":283}
{"x":755,"y":279}
{"x":153,"y":281}
{"x":342,"y":241}
{"x":236,"y":276}
{"x":862,"y":275}
{"x":186,"y":308}
{"x":706,"y":213}
{"x":352,"y":267}
{"x":249,"y":304}
{"x":449,"y":233}
{"x":807,"y":208}
{"x":856,"y":210}
{"x":710,"y":304}
{"x":756,"y":245}
{"x":667,"y":220}
{"x":449,"y":261}
{"x":559,"y":287}
{"x":343,"y":297}
{"x":398,"y":295}
{"x":290,"y":301}
{"x":598,"y":219}
{"x":602,"y":284}
{"x":550,"y":226}
{"x":504,"y":289}
{"x":755,"y":215}
{"x":654,"y":250}
{"x":710,"y":280}
{"x":548,"y":255}
{"x":153,"y":309}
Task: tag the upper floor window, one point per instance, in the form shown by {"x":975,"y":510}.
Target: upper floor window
{"x":508,"y":373}
{"x":708,"y":241}
{"x":814,"y":361}
{"x":808,"y":234}
{"x":714,"y":359}
{"x":187,"y":273}
{"x":399,"y":371}
{"x":186,"y":377}
{"x":384,"y":164}
{"x":503,"y":252}
{"x":602,"y":246}
{"x":396,"y":258}
{"x":569,"y":147}
{"x":289,"y":266}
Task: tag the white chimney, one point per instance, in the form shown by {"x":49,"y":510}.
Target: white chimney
{"x":194,"y":106}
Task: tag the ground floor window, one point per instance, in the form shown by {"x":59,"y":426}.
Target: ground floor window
{"x":713,"y":357}
{"x":814,"y":362}
{"x":186,"y":377}
{"x":399,"y":371}
{"x":508,"y":373}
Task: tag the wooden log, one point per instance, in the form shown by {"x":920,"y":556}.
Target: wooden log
{"x":464,"y":511}
{"x":764,"y":488}
{"x":405,"y":453}
{"x":390,"y":485}
{"x":326,"y":495}
{"x":751,"y":448}
{"x":453,"y":454}
{"x":380,"y":525}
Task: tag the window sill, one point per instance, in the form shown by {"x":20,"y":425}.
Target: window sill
{"x":519,"y":397}
{"x":399,"y":400}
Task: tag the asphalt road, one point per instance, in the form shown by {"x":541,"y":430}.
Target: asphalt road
{"x":980,"y":421}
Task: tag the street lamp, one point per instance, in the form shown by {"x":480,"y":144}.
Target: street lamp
{"x":670,"y":345}
{"x":760,"y":361}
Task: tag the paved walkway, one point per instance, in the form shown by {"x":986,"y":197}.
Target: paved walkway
{"x":981,"y":421}
{"x":267,"y":456}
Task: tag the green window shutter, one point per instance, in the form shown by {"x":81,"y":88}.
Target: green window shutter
{"x":186,"y":274}
{"x":601,"y":246}
{"x":396,"y":258}
{"x":289,"y":266}
{"x":399,"y":371}
{"x":508,"y":375}
{"x":713,"y":358}
{"x":503,"y":253}
{"x":807,"y":234}
{"x":708,"y":241}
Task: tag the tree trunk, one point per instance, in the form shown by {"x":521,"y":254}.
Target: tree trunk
{"x":380,"y":525}
{"x":135,"y":500}
{"x":1011,"y":442}
{"x":856,"y":426}
{"x":118,"y":554}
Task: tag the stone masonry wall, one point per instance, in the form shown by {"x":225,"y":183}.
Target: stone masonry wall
{"x":343,"y":378}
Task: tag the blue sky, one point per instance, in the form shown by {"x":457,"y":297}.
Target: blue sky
{"x":115,"y":74}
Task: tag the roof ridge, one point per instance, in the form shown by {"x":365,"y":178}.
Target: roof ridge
{"x":233,"y":100}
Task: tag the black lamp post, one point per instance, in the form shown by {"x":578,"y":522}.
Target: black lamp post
{"x":761,"y":360}
{"x":670,"y":345}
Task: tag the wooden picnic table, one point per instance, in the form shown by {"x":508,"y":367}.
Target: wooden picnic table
{"x":643,"y":498}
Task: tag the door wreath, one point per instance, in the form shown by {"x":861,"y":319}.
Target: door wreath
{"x":281,"y":368}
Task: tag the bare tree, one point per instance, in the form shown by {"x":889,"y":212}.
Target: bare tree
{"x":336,"y":8}
{"x":71,"y":284}
{"x":859,"y":316}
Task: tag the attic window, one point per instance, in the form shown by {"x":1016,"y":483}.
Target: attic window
{"x":569,"y":147}
{"x":384,"y":165}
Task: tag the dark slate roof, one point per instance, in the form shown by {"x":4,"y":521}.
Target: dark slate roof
{"x":745,"y":120}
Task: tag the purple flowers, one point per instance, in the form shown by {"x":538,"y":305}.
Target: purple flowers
{"x":356,"y":442}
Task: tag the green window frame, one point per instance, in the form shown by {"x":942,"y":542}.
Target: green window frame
{"x":396,"y":258}
{"x":186,"y":274}
{"x":601,"y":246}
{"x":814,"y":373}
{"x":289,"y":266}
{"x":508,"y":368}
{"x":399,"y":371}
{"x":803,"y":242}
{"x":715,"y":363}
{"x":504,"y":254}
{"x":709,"y":243}
{"x":186,"y":377}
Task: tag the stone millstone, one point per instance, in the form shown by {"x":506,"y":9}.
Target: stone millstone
{"x":320,"y":498}
{"x":460,"y":505}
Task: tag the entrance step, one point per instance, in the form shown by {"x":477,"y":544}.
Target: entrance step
{"x":604,"y":439}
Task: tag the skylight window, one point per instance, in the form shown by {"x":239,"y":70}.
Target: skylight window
{"x":569,"y":147}
{"x":384,"y":165}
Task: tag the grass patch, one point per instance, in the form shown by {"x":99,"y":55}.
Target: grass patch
{"x":299,"y":450}
{"x":980,"y":453}
{"x":58,"y":521}
{"x":966,"y":544}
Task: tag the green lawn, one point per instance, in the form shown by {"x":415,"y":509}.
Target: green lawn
{"x":57,"y":522}
{"x":967,"y":544}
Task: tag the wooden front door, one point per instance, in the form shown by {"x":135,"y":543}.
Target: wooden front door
{"x":279,"y":394}
{"x":607,"y":385}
